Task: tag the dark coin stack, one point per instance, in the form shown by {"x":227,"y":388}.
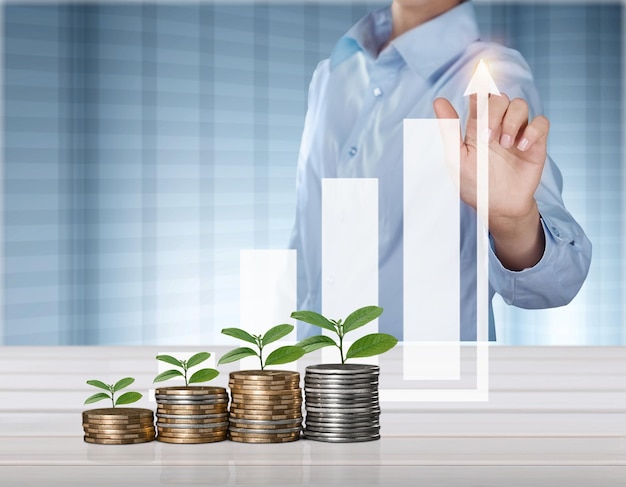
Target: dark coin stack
{"x":266,"y":406}
{"x":118,"y":426}
{"x":342,"y":403}
{"x":192,"y":414}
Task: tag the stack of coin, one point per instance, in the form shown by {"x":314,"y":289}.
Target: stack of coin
{"x":342,"y":403}
{"x":266,"y":406}
{"x":192,"y":414}
{"x":118,"y":426}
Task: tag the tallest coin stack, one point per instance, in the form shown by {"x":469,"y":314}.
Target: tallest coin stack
{"x":342,"y":403}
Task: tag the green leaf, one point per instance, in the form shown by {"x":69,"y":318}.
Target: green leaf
{"x":170,"y":360}
{"x":100,"y":384}
{"x":315,"y":342}
{"x":128,"y":397}
{"x":120,"y":384}
{"x":284,"y":355}
{"x":168,"y":374}
{"x":240,"y":334}
{"x":276,"y":333}
{"x":97,"y":397}
{"x":203,"y":375}
{"x":361,"y":317}
{"x":370,"y":345}
{"x":197,"y":359}
{"x":313,"y":318}
{"x":236,"y":354}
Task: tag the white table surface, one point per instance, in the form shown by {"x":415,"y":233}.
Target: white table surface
{"x":555,"y":417}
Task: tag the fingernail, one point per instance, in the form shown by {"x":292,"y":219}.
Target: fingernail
{"x":488,"y":134}
{"x":506,"y":141}
{"x":523,"y":144}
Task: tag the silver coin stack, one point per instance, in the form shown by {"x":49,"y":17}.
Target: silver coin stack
{"x":341,"y":402}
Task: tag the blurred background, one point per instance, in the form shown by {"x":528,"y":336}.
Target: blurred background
{"x":146,"y":144}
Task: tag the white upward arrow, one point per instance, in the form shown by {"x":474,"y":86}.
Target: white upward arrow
{"x":482,"y":84}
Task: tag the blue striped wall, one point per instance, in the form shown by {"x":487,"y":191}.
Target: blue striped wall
{"x":146,"y":144}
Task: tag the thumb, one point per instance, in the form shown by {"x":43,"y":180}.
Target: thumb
{"x":451,"y":142}
{"x":443,"y":109}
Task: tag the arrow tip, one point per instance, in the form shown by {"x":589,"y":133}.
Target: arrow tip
{"x":481,"y":82}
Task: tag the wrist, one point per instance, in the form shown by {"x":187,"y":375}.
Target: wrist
{"x":519,"y":242}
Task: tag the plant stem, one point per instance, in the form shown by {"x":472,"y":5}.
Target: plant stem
{"x":185,"y":370}
{"x":259,"y":343}
{"x":339,"y":330}
{"x":343,"y":361}
{"x":112,"y":398}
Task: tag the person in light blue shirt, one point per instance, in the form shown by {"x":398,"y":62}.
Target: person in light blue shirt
{"x":414,"y":59}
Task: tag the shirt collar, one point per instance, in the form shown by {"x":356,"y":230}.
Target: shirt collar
{"x":424,"y":49}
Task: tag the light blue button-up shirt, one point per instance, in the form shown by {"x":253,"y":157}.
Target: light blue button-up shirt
{"x":358,"y":99}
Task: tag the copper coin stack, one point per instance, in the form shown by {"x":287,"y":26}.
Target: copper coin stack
{"x":192,"y":414}
{"x":118,"y":426}
{"x":266,"y":406}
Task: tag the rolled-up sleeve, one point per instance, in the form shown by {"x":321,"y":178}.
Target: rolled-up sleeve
{"x":559,"y":275}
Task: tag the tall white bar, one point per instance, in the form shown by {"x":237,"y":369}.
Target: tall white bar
{"x":349,"y":254}
{"x":267,"y":297}
{"x":431,"y":250}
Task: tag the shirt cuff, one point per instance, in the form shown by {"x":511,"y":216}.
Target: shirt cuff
{"x":503,"y":280}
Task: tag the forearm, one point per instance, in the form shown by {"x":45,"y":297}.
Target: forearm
{"x":519,"y":243}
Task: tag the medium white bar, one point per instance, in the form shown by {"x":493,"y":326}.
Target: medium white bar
{"x":267,"y":297}
{"x":431,"y":250}
{"x":349,"y":254}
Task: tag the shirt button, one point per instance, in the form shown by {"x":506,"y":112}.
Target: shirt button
{"x":556,"y":232}
{"x":377,"y":91}
{"x":353,"y":150}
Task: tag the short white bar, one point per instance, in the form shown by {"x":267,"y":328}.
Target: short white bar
{"x":267,"y":297}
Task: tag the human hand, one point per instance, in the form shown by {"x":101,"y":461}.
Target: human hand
{"x":517,"y":154}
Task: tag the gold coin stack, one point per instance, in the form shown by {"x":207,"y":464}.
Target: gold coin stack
{"x":192,"y":414}
{"x":118,"y":426}
{"x":265,"y":407}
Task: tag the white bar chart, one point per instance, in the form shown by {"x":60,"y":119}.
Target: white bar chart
{"x":350,"y":272}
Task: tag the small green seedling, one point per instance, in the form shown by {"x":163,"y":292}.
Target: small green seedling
{"x":282,"y":355}
{"x":202,"y":375}
{"x":126,"y":398}
{"x":367,"y":346}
